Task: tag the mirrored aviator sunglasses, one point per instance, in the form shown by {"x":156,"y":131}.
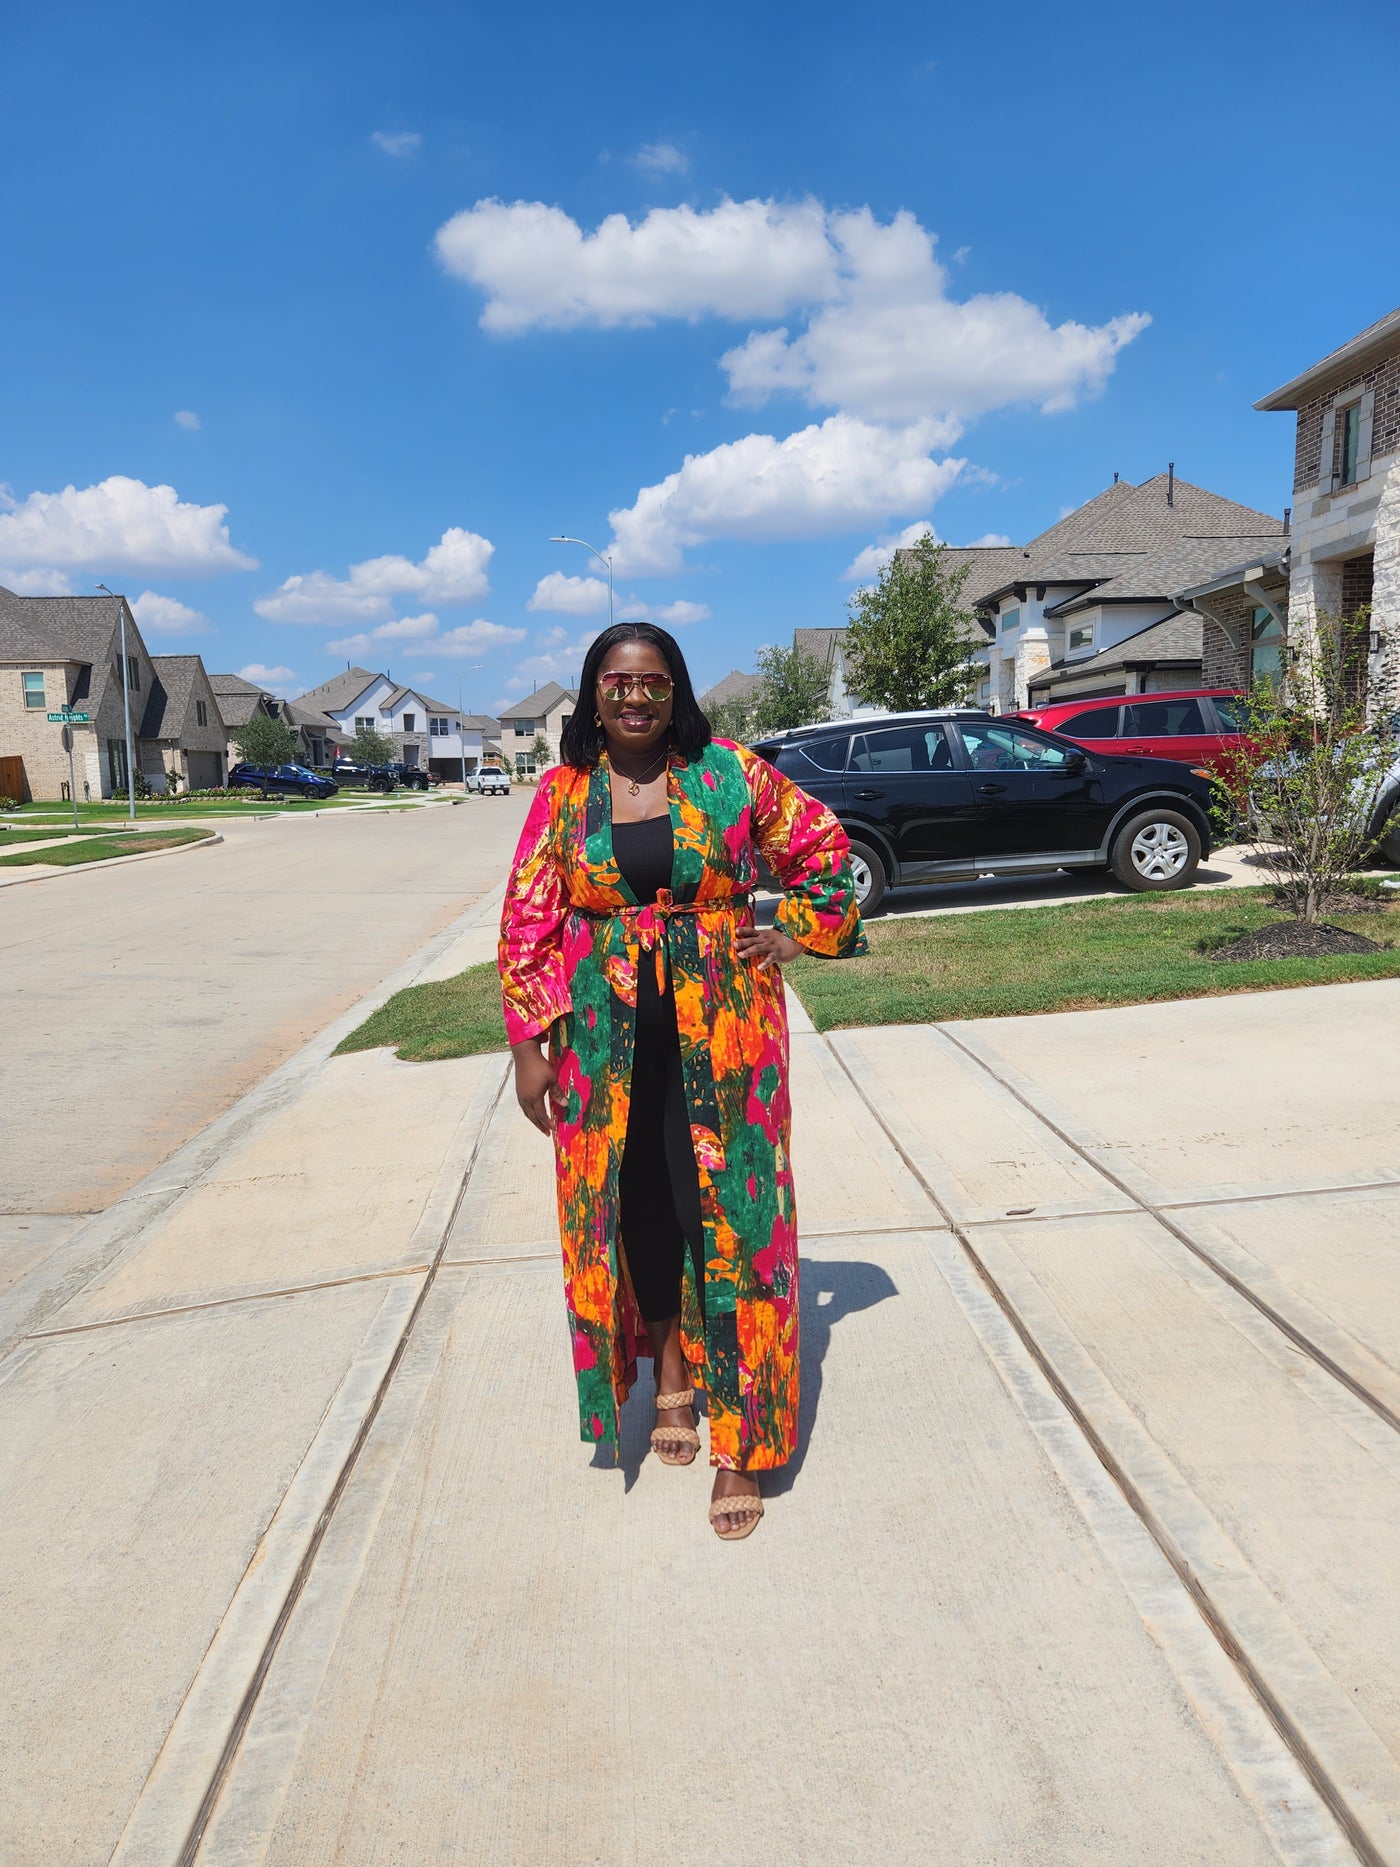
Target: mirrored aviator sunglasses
{"x":654,"y":687}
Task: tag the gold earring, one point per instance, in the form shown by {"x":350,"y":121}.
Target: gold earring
{"x":597,"y":719}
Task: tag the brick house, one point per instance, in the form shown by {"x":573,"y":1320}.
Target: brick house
{"x":541,"y":715}
{"x":182,"y":727}
{"x":238,"y":701}
{"x":67,"y":650}
{"x":1345,"y":557}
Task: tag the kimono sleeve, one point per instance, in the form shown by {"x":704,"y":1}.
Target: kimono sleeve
{"x":534,"y":989}
{"x":806,"y":848}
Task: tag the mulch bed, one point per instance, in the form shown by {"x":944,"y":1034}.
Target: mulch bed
{"x":1295,"y":940}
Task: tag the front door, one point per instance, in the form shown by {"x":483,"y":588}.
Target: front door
{"x":1036,"y":797}
{"x":905,"y":782}
{"x":410,"y":754}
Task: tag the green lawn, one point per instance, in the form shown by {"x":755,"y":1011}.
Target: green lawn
{"x":9,"y":836}
{"x":117,"y":811}
{"x":1112,"y":952}
{"x":99,"y":848}
{"x":458,"y":1017}
{"x":1121,"y":951}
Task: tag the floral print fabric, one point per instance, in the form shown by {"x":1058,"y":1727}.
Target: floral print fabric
{"x":572,"y":938}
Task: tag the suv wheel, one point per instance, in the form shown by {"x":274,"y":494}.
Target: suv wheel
{"x":1156,"y":851}
{"x":868,"y":874}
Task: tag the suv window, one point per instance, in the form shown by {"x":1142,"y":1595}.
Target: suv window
{"x":1233,"y":712}
{"x":903,"y":748}
{"x":1009,"y":748}
{"x":1163,"y":719}
{"x":825,"y":754}
{"x":1097,"y":723}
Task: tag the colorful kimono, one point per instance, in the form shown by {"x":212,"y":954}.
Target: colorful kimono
{"x":572,"y":938}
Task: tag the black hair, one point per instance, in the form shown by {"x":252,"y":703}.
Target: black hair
{"x":581,"y":741}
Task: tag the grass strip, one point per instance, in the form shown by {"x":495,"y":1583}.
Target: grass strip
{"x":1125,"y":951}
{"x":100,"y":848}
{"x":9,"y":837}
{"x":456,"y":1017}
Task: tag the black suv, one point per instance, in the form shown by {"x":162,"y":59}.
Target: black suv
{"x":348,"y":771}
{"x":952,"y":794}
{"x":298,"y":780}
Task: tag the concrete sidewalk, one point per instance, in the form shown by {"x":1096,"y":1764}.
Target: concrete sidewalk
{"x":1089,"y":1554}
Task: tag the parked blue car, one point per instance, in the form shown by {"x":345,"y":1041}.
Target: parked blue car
{"x":290,"y":780}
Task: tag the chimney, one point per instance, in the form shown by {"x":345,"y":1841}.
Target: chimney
{"x":1171,"y":482}
{"x":1115,"y":479}
{"x":1287,"y":520}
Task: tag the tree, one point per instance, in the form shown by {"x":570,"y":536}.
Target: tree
{"x":371,"y":748}
{"x":539,"y":752}
{"x":1307,"y":777}
{"x":733,"y":718}
{"x":796,"y":690}
{"x":267,"y":741}
{"x":910,"y":641}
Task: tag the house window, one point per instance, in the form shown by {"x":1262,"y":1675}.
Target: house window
{"x":408,"y":722}
{"x":364,"y":724}
{"x":1011,"y":620}
{"x":33,"y":690}
{"x":437,"y":728}
{"x":1351,"y":442}
{"x":201,"y":713}
{"x":116,"y":764}
{"x":134,"y":673}
{"x":524,"y":765}
{"x":1081,"y":636}
{"x":524,"y":728}
{"x":1266,"y":650}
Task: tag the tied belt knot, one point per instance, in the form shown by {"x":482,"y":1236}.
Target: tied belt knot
{"x":647,"y":922}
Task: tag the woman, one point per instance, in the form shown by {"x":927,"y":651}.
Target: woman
{"x":646,"y":1019}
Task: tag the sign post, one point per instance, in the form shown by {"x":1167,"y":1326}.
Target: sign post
{"x":68,"y":719}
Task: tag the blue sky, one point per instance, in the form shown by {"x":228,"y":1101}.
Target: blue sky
{"x":860,"y":267}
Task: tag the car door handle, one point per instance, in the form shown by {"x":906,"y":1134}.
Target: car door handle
{"x":991,"y":790}
{"x":866,"y":796}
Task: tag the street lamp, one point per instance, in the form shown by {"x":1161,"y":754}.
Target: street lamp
{"x":126,"y":709}
{"x":601,"y":559}
{"x":461,"y":728}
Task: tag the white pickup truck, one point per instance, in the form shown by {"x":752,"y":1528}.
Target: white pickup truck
{"x":490,"y":781}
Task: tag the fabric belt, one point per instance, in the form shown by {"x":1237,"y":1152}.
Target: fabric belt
{"x":646,"y":923}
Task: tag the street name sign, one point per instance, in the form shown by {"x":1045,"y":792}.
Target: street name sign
{"x":68,"y":718}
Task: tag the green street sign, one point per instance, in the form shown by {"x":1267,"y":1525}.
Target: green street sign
{"x":68,"y":718}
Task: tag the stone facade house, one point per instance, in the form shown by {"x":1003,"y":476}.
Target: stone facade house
{"x":541,"y":715}
{"x":1090,"y":607}
{"x":67,"y":650}
{"x":1345,"y":555}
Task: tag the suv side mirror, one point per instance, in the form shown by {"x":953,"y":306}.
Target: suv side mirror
{"x":1077,"y":762}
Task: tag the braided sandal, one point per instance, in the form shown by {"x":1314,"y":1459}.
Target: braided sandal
{"x":738,"y":1505}
{"x":664,"y":1439}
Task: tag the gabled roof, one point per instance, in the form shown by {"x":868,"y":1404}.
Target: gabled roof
{"x":1156,"y":576}
{"x":340,"y":691}
{"x":1272,"y":566}
{"x":734,"y":686}
{"x":168,"y":703}
{"x":818,"y":642}
{"x":234,"y":684}
{"x":64,"y":628}
{"x":238,"y":700}
{"x":1176,"y":641}
{"x":1349,"y":359}
{"x":311,"y":718}
{"x":480,"y":722}
{"x":542,"y":701}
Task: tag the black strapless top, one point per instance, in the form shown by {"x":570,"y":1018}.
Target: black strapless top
{"x":644,"y":854}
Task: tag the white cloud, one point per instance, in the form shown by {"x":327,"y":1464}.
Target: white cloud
{"x":426,"y":633}
{"x":661,"y":159}
{"x":120,"y":524}
{"x":866,"y":565}
{"x":830,"y":477}
{"x":37,"y":582}
{"x":162,"y":615}
{"x":422,"y":679}
{"x":454,"y":571}
{"x":398,"y":143}
{"x":670,"y":615}
{"x":276,"y":680}
{"x":186,"y":418}
{"x":892,"y":345}
{"x":558,"y":657}
{"x":537,"y":266}
{"x":990,"y":538}
{"x":881,"y":338}
{"x":569,"y":596}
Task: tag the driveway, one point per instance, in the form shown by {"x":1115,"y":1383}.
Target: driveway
{"x":139,"y":1003}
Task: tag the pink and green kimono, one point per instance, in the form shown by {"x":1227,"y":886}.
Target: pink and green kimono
{"x":572,"y":938}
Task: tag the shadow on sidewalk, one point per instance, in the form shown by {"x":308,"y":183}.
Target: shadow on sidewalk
{"x":832,"y":1288}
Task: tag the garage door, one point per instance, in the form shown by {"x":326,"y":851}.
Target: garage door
{"x":204,"y":770}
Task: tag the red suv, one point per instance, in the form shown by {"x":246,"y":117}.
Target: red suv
{"x":1199,"y":726}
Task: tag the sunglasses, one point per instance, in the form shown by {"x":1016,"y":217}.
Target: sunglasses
{"x":617,"y":686}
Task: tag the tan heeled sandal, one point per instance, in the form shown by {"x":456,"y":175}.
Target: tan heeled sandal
{"x":664,"y":1438}
{"x":740,"y":1504}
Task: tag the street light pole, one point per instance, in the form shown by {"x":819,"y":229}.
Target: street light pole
{"x":601,"y":559}
{"x":126,"y":710}
{"x":461,"y":726}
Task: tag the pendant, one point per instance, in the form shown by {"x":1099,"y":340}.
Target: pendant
{"x":634,"y":789}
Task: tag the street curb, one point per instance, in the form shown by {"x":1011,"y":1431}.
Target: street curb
{"x":53,"y":870}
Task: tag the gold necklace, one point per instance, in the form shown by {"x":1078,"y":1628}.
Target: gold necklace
{"x":634,"y":785}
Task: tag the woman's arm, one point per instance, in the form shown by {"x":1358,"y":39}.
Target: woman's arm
{"x":534,"y":990}
{"x":807,"y":850}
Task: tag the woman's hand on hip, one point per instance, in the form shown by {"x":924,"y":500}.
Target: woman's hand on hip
{"x":536,"y":1084}
{"x":767,"y":946}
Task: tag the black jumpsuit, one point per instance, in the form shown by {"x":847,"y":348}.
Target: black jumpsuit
{"x":659,"y":1186}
